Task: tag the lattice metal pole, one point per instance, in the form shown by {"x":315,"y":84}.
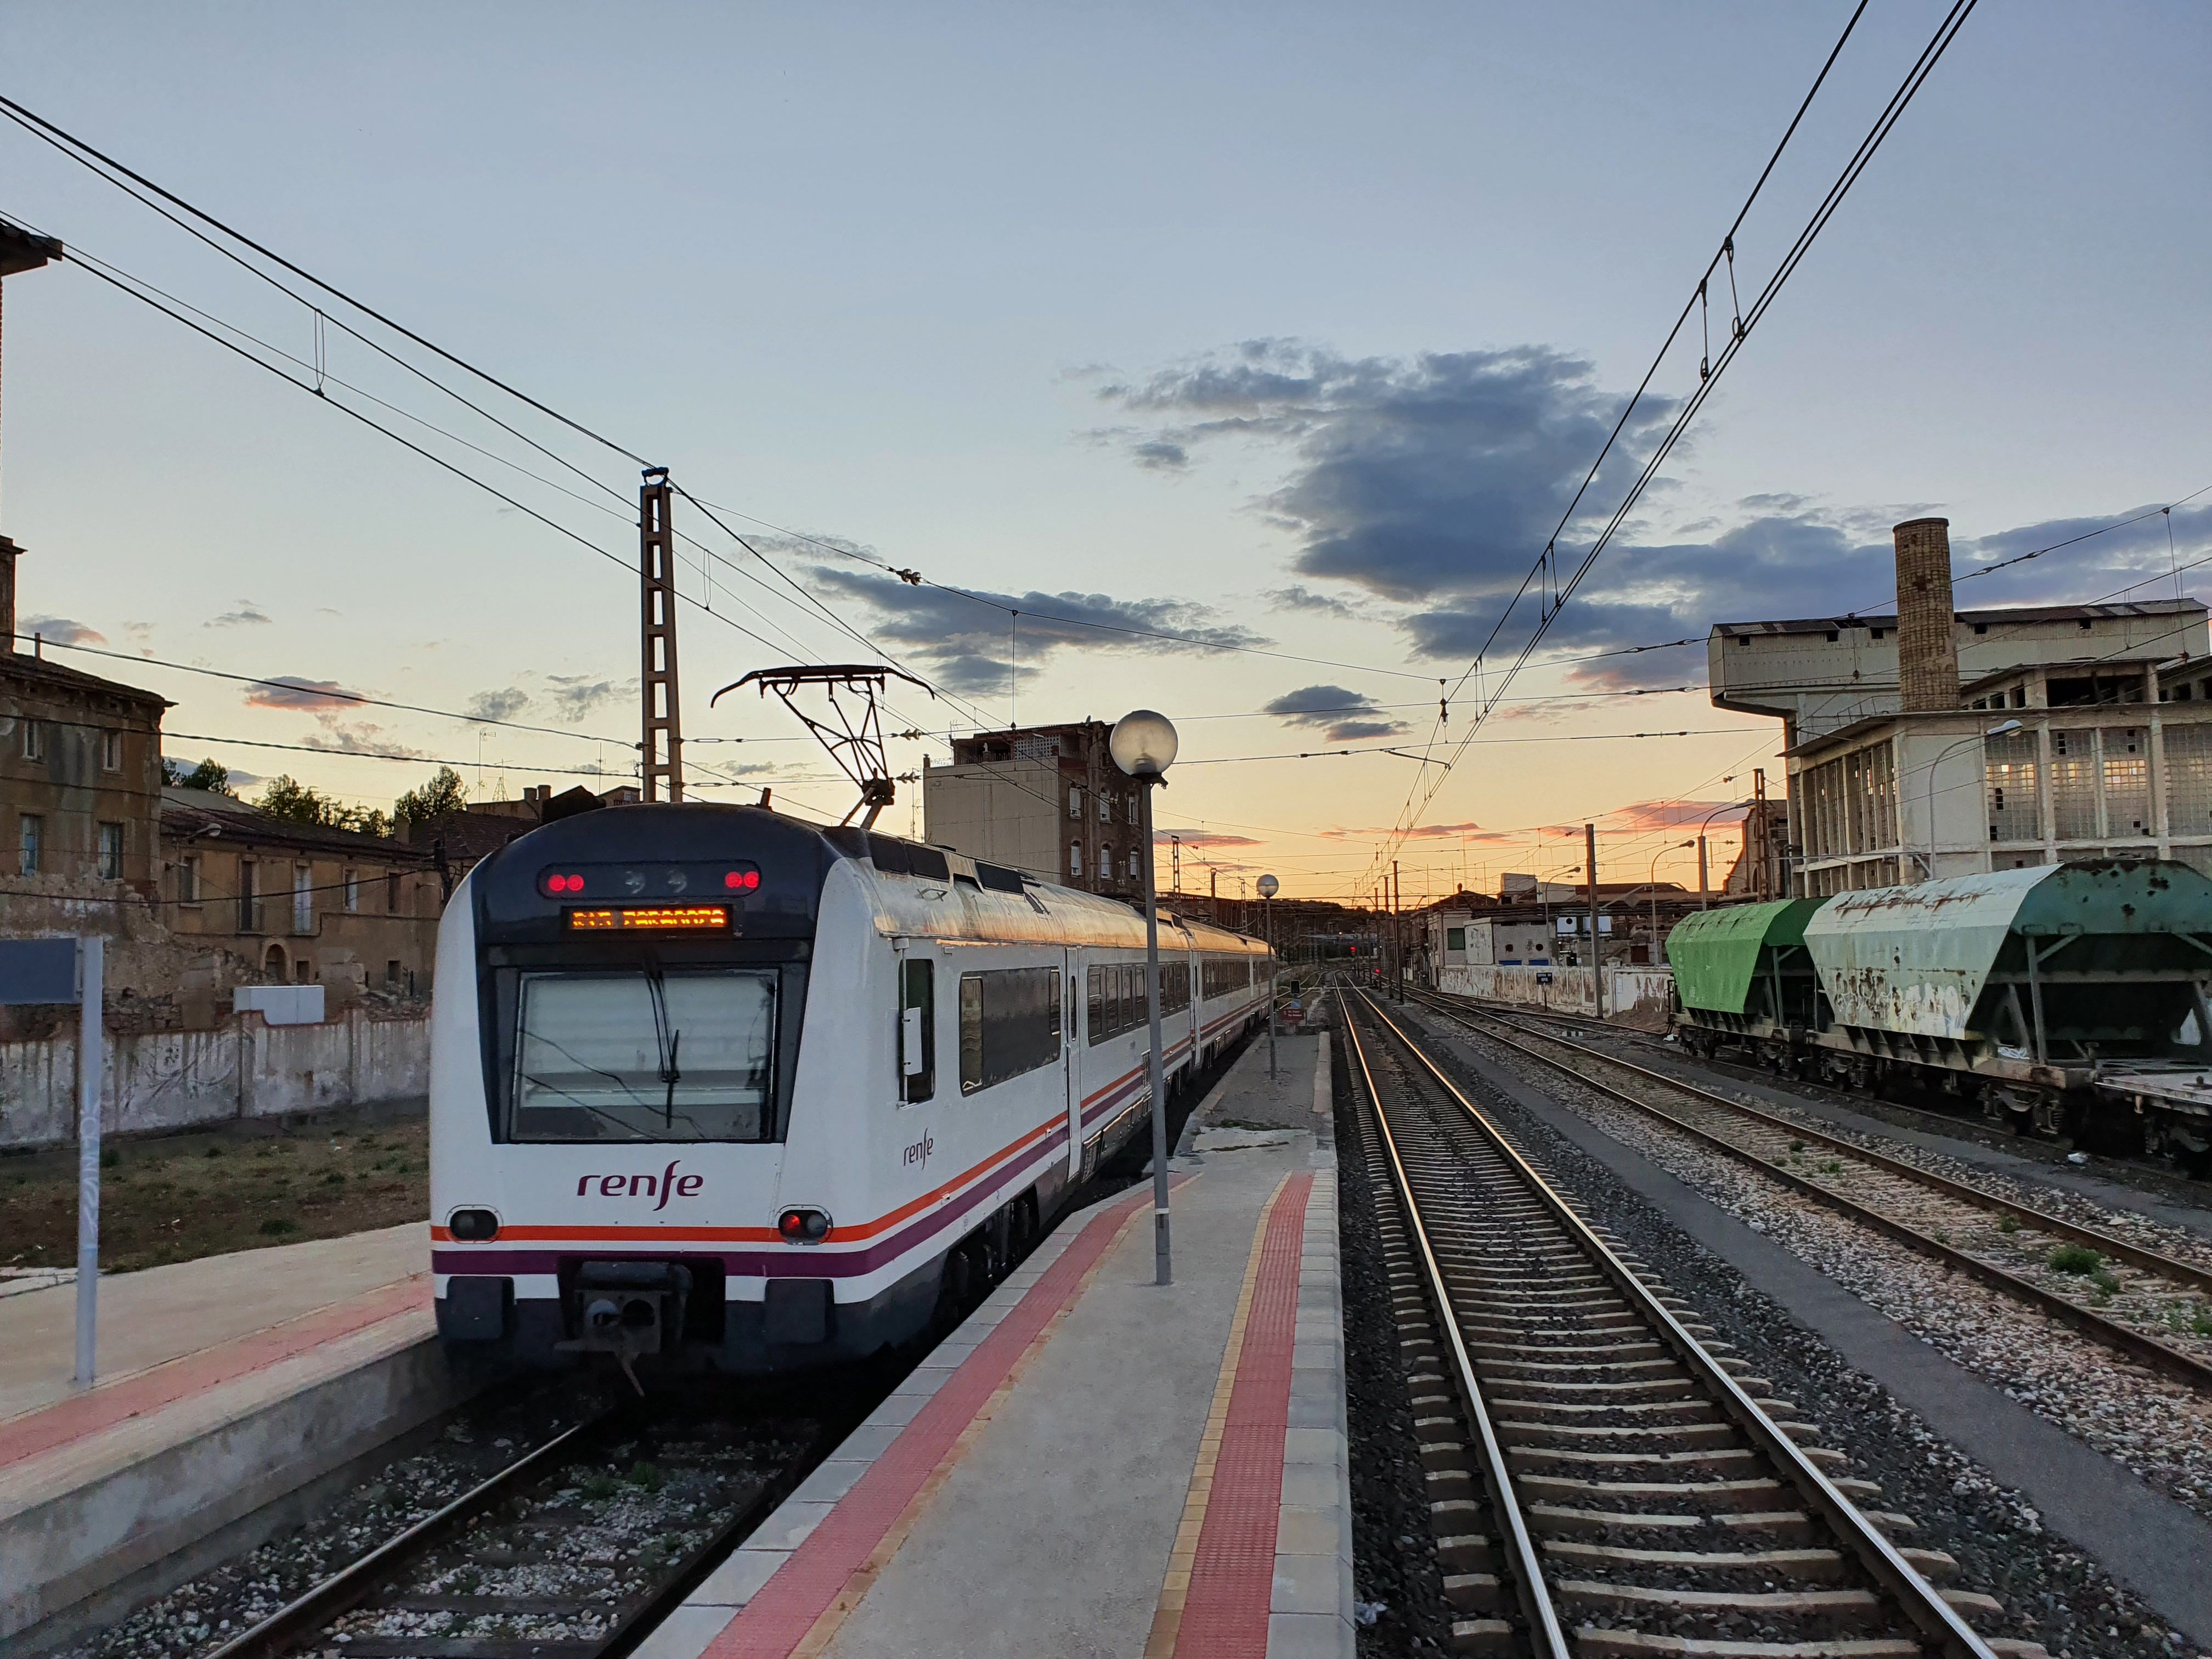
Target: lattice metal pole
{"x":661,"y":755}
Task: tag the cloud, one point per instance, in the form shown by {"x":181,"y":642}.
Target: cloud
{"x":290,"y":691}
{"x":971,"y":647}
{"x":1158,"y":455}
{"x":1298,"y":596}
{"x":1201,"y":838}
{"x":1412,"y":478}
{"x":1324,"y":708}
{"x":503,"y":704}
{"x":247,"y":614}
{"x":360,"y":738}
{"x":1469,"y":831}
{"x":62,"y":630}
{"x":576,"y":695}
{"x":1433,"y":482}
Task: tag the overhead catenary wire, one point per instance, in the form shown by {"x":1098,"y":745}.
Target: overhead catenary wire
{"x":1557,"y":592}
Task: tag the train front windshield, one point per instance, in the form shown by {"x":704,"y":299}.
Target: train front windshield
{"x":644,"y":1054}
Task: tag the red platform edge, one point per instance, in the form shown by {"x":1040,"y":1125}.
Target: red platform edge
{"x":1232,"y":1574}
{"x":824,"y":1566}
{"x":45,"y":1427}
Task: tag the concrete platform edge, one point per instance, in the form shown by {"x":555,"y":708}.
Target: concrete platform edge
{"x":60,"y":1550}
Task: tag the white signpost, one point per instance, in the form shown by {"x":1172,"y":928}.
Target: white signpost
{"x":52,"y":971}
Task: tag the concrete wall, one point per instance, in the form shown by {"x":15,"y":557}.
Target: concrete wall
{"x":173,"y":1079}
{"x":1003,"y":812}
{"x":1635,"y":996}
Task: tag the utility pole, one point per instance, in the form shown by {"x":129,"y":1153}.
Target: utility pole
{"x":1766,"y":885}
{"x":660,"y":756}
{"x":1705,"y":893}
{"x":1597,"y":956}
{"x":1397,"y":935}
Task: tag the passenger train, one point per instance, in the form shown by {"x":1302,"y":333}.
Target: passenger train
{"x":712,"y":1088}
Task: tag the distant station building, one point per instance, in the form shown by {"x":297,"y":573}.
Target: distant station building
{"x":1940,"y":743}
{"x":1047,"y":799}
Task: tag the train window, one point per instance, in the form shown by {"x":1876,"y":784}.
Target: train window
{"x":1094,"y":1022}
{"x":682,"y":1055}
{"x":917,"y":1034}
{"x":1009,"y":1025}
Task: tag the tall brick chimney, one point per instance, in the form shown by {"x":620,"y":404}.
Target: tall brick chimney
{"x":1927,"y":635}
{"x":8,"y":552}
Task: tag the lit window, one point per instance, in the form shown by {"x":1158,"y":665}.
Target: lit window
{"x":110,"y":852}
{"x":111,"y":751}
{"x":30,"y":839}
{"x":1075,"y":858}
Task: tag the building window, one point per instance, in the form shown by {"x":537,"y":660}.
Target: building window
{"x":391,"y":975}
{"x":391,"y":891}
{"x":303,"y":899}
{"x":352,"y":879}
{"x":188,"y":880}
{"x":35,"y":740}
{"x":1105,"y":864}
{"x":1132,"y":803}
{"x":1105,"y":807}
{"x":249,"y":901}
{"x":303,"y":971}
{"x":110,"y":852}
{"x":1074,"y":802}
{"x":1075,"y":858}
{"x":1134,"y":870}
{"x":30,"y":841}
{"x":111,"y":751}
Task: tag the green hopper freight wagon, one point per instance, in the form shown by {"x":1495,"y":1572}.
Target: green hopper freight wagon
{"x":1742,"y":977}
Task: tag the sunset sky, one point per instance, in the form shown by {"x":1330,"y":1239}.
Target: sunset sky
{"x":1290,"y":329}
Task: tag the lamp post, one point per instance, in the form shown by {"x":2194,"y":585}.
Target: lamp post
{"x":1705,"y":888}
{"x":1268,"y":888}
{"x":1928,"y":789}
{"x":1142,"y":745}
{"x":1651,"y":887}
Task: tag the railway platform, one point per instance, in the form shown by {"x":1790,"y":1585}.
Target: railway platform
{"x":227,"y":1383}
{"x":1093,"y":1464}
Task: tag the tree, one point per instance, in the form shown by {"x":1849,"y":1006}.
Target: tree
{"x":443,"y":797}
{"x":285,"y":797}
{"x":211,"y":775}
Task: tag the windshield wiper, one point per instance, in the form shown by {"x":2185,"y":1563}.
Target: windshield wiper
{"x":666,"y":1039}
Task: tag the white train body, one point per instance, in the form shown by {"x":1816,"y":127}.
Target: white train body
{"x":710,"y":1087}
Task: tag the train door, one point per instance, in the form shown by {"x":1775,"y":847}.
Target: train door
{"x":1070,"y":1071}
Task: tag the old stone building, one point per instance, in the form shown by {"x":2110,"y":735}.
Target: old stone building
{"x":256,"y":899}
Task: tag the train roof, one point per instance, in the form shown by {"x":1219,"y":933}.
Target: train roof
{"x":915,"y":889}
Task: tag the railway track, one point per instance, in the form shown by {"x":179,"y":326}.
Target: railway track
{"x":1597,"y":1462}
{"x":2154,"y":1307}
{"x":574,"y":1551}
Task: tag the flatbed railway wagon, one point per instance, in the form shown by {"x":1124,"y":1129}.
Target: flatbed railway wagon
{"x":2059,"y":1000}
{"x":714,"y":1089}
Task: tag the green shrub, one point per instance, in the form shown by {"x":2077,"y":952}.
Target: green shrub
{"x":599,"y":1486}
{"x":2104,"y":1281}
{"x":647,"y":1476}
{"x":212,"y":1151}
{"x":334,"y":1178}
{"x":2078,"y":1258}
{"x":278,"y":1225}
{"x":1795,"y":1147}
{"x":2008,"y":1223}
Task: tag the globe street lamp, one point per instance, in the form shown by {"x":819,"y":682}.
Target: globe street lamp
{"x":1142,"y":745}
{"x":1268,"y":888}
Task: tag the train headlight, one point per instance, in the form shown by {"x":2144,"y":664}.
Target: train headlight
{"x":473,"y":1226}
{"x":804,"y":1226}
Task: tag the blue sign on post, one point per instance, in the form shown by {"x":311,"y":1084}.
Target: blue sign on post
{"x":72,"y":971}
{"x":38,"y":970}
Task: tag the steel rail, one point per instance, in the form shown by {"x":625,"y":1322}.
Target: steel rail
{"x":2166,"y":1267}
{"x":2139,"y":1345}
{"x":320,"y":1603}
{"x":1921,"y":1602}
{"x":1547,"y":1639}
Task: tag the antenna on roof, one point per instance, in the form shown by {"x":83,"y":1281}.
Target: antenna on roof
{"x":856,"y":742}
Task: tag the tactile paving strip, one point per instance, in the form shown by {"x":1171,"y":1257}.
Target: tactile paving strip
{"x":1224,"y":1614}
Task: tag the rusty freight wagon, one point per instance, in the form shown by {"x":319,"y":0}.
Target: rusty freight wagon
{"x":2061,"y":1000}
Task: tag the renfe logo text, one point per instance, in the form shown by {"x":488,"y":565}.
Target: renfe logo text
{"x":668,"y":1184}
